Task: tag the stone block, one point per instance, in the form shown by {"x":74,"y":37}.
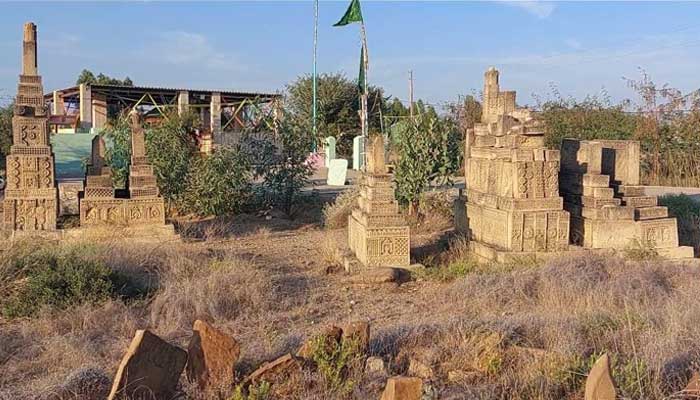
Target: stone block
{"x":661,"y":233}
{"x":650,"y":212}
{"x":211,"y":356}
{"x":596,"y":180}
{"x":676,"y":253}
{"x":403,"y":388}
{"x":68,"y":192}
{"x":484,"y":141}
{"x":598,"y":192}
{"x":616,"y":213}
{"x":630,"y":191}
{"x":381,"y":245}
{"x":641,"y":201}
{"x":150,"y":368}
{"x":593,"y":202}
{"x":357,"y":332}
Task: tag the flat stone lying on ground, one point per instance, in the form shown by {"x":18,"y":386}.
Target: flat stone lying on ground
{"x":150,"y":369}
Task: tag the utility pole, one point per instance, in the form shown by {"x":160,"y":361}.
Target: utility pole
{"x":410,"y":92}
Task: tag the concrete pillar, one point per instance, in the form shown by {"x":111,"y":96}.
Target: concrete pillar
{"x":99,"y":112}
{"x":183,"y":102}
{"x":85,"y":106}
{"x":59,"y":107}
{"x":215,"y":115}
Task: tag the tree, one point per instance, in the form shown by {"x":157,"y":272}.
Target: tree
{"x":428,"y":149}
{"x":5,"y":131}
{"x":87,"y":77}
{"x":338,"y":107}
{"x":287,"y":172}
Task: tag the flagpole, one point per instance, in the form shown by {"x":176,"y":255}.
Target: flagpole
{"x":365,"y":66}
{"x":314,"y":77}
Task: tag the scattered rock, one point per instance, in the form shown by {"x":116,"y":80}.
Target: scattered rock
{"x":693,"y":386}
{"x":212,"y":355}
{"x":377,"y":275}
{"x":83,"y":384}
{"x":275,"y":371}
{"x":151,"y":367}
{"x":599,"y":384}
{"x":419,"y":369}
{"x":374,"y":365}
{"x":357,"y":331}
{"x":331,"y":336}
{"x":403,"y":388}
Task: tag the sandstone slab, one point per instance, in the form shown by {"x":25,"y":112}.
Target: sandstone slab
{"x":599,"y":384}
{"x":403,"y":388}
{"x":150,"y":369}
{"x":212,"y":356}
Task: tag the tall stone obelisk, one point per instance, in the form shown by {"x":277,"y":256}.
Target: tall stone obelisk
{"x":31,"y":197}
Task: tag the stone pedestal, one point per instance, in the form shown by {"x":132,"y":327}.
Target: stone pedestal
{"x":377,"y":233}
{"x":609,"y":209}
{"x":512,"y":196}
{"x":31,"y":200}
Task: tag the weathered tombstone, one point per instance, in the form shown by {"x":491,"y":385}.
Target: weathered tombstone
{"x":403,"y":388}
{"x":512,"y":191}
{"x":329,"y":148}
{"x":150,"y":369}
{"x":599,"y":384}
{"x":377,"y":234}
{"x":358,"y":152}
{"x":68,"y":197}
{"x":31,"y":201}
{"x":337,"y":172}
{"x":212,"y":356}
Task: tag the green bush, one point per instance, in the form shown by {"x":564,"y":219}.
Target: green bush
{"x":171,"y":148}
{"x":60,"y":278}
{"x":428,"y":149}
{"x":218,"y":184}
{"x":687,"y":212}
{"x":334,"y":361}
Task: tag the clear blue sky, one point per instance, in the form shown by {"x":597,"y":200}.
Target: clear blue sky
{"x":260,"y":45}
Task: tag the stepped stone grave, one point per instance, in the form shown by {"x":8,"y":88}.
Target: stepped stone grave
{"x":150,"y":369}
{"x":609,"y":209}
{"x":377,"y":234}
{"x":512,"y":200}
{"x":31,"y":198}
{"x":144,"y":207}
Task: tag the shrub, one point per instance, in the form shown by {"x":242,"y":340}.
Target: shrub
{"x":285,"y":174}
{"x":334,"y":360}
{"x":687,"y":212}
{"x":335,"y":215}
{"x":218,"y":184}
{"x":60,"y":278}
{"x":118,"y":154}
{"x":260,"y":391}
{"x":428,"y":149}
{"x":171,"y":148}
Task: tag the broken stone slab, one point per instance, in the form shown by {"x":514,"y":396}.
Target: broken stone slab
{"x":357,"y":331}
{"x":212,"y":356}
{"x":275,"y":371}
{"x":330,"y":336}
{"x":599,"y":384}
{"x":150,"y":369}
{"x":693,"y":386}
{"x":403,"y":388}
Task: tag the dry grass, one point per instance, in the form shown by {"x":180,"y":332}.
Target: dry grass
{"x":335,"y":215}
{"x":517,"y":331}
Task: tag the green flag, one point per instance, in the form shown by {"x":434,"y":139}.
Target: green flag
{"x":361,"y":77}
{"x":353,"y":14}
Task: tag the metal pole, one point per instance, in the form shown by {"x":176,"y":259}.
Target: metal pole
{"x":410,"y":92}
{"x":314,"y":78}
{"x":365,"y":65}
